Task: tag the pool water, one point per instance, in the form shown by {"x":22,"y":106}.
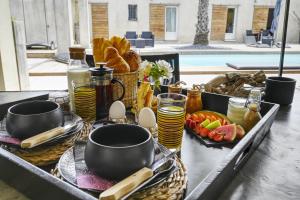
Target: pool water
{"x":238,"y":59}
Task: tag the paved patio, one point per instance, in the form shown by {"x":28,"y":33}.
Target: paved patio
{"x":216,"y":48}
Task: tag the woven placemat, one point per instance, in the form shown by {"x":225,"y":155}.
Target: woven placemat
{"x":45,"y":155}
{"x":173,"y":187}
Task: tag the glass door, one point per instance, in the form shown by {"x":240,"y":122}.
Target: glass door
{"x":230,"y":24}
{"x":171,"y":23}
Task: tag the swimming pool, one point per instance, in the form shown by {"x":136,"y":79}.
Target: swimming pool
{"x":238,"y":59}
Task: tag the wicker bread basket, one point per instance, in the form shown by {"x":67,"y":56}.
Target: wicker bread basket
{"x":130,"y":81}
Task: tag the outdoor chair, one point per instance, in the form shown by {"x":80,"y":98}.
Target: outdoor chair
{"x":140,"y":43}
{"x":249,"y":33}
{"x":131,"y":36}
{"x":148,"y":37}
{"x":267,"y":40}
{"x":265,"y":33}
{"x":250,"y":40}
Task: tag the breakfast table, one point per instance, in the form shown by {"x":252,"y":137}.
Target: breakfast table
{"x":271,"y":172}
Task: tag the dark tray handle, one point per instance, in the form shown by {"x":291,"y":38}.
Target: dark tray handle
{"x":241,"y":158}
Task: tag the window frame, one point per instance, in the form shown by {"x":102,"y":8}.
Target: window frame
{"x":132,"y":12}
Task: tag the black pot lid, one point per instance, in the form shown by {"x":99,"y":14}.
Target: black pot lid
{"x":102,"y":70}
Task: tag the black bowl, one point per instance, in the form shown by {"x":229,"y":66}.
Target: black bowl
{"x":117,"y":151}
{"x":29,"y":118}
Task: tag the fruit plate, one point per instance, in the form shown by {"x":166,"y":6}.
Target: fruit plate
{"x":208,"y":142}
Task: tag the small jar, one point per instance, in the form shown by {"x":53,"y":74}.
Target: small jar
{"x":236,"y":110}
{"x":252,"y":115}
{"x":176,"y":88}
{"x":194,"y":101}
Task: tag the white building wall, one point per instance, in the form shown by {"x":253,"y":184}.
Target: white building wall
{"x":119,"y":23}
{"x":244,"y":15}
{"x":293,"y":31}
{"x":187,"y":10}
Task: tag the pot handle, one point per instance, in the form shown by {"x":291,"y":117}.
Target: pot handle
{"x":113,"y":81}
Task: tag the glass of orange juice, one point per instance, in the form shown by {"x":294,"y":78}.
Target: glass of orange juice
{"x":170,"y":119}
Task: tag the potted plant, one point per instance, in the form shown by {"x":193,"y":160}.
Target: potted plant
{"x":155,"y":72}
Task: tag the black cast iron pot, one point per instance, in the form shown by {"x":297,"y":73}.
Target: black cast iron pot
{"x":118,"y":150}
{"x":29,"y":118}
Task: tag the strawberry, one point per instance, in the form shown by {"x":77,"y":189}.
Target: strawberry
{"x":198,"y":129}
{"x":211,"y":134}
{"x":193,"y":124}
{"x":202,"y":116}
{"x":188,"y":116}
{"x":213,"y":118}
{"x":188,"y":122}
{"x":195,"y":117}
{"x":218,"y":137}
{"x":204,"y":132}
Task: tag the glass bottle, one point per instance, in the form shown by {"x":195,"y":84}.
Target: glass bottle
{"x":78,"y":71}
{"x":236,"y":110}
{"x":194,"y":101}
{"x":252,"y":115}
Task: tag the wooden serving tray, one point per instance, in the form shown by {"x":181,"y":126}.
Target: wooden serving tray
{"x":208,"y":169}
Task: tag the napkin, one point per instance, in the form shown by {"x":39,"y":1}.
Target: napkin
{"x":85,"y":178}
{"x":6,"y":138}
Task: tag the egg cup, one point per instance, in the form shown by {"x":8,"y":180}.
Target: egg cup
{"x":119,"y":120}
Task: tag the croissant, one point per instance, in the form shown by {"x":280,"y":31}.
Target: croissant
{"x":133,"y":59}
{"x":121,"y":44}
{"x":99,"y":46}
{"x":110,"y":53}
{"x":115,"y":40}
{"x":115,"y":61}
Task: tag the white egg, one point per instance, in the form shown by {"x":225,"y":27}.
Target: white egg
{"x":147,"y":118}
{"x":117,"y":110}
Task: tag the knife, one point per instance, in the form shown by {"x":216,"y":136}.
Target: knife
{"x":46,"y":136}
{"x":130,"y":183}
